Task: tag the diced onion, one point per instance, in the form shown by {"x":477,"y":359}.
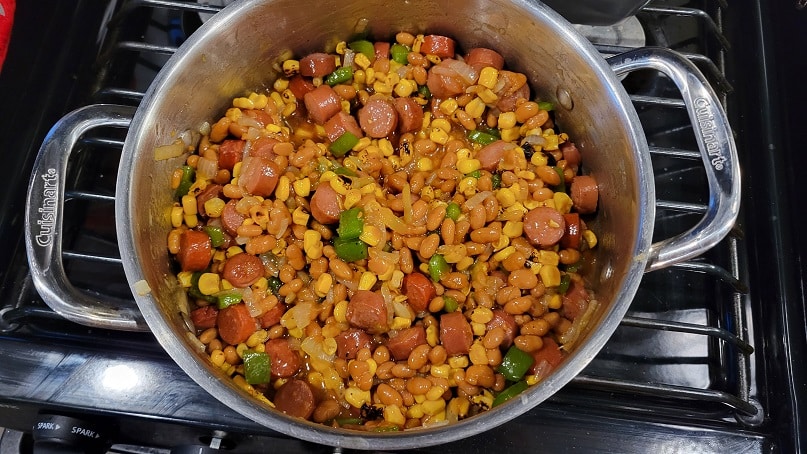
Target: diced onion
{"x":570,"y":337}
{"x":534,"y":139}
{"x":142,"y":287}
{"x":207,"y":168}
{"x":173,"y":150}
{"x":476,"y":199}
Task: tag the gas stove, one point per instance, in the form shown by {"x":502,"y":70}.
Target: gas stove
{"x":705,"y":361}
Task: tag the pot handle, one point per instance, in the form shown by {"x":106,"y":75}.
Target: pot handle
{"x":716,"y":143}
{"x":43,"y":225}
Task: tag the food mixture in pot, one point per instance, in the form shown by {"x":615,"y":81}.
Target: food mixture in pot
{"x":390,"y":237}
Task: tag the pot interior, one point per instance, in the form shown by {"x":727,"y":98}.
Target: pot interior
{"x":238,"y":51}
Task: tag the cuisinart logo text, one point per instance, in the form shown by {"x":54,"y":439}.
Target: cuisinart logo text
{"x":47,"y":212}
{"x":708,"y":129}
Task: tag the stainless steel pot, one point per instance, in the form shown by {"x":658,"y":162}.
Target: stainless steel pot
{"x":237,"y":50}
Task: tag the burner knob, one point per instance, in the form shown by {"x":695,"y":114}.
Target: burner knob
{"x":63,"y":434}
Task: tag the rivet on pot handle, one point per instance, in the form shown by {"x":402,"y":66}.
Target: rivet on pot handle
{"x":716,"y":145}
{"x":43,"y":225}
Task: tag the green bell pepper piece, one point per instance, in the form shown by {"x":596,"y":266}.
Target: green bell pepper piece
{"x":515,"y":364}
{"x":363,"y":46}
{"x":188,"y":176}
{"x":399,"y":53}
{"x":350,"y":250}
{"x":437,"y":267}
{"x":450,"y":304}
{"x":481,"y":137}
{"x":216,"y":235}
{"x":453,"y":211}
{"x":351,"y":224}
{"x":546,"y":105}
{"x":343,"y":144}
{"x":257,"y":367}
{"x":510,"y":392}
{"x":339,"y":76}
{"x":228,"y":298}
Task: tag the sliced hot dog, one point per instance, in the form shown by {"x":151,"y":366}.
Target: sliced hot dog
{"x":231,"y":219}
{"x":550,"y":353}
{"x":584,"y":193}
{"x":235,"y":324}
{"x":204,"y":317}
{"x":259,"y":115}
{"x":402,"y":344}
{"x":272,"y":317}
{"x":439,"y":45}
{"x":243,"y":270}
{"x":195,"y":250}
{"x":378,"y":118}
{"x":264,"y":148}
{"x":296,"y":398}
{"x":410,"y":115}
{"x":575,"y":301}
{"x":507,"y":103}
{"x":456,"y":334}
{"x":492,"y":154}
{"x":348,"y":343}
{"x":570,"y":153}
{"x":444,"y":82}
{"x":480,"y":57}
{"x":322,"y":103}
{"x":285,"y":361}
{"x":299,"y":86}
{"x":259,"y":176}
{"x":210,"y":192}
{"x":571,"y":237}
{"x":339,"y":123}
{"x":544,"y":226}
{"x":231,"y":151}
{"x":507,"y":322}
{"x":381,"y":49}
{"x":326,"y":204}
{"x":368,"y":310}
{"x":317,"y":64}
{"x":419,"y":291}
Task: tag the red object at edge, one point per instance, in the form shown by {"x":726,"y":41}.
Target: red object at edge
{"x":6,"y":21}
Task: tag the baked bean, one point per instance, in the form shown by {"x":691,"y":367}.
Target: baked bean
{"x":231,"y":356}
{"x":345,"y":91}
{"x":518,"y":305}
{"x":215,"y":344}
{"x":480,"y":375}
{"x":562,"y":326}
{"x":260,"y":244}
{"x":381,"y":354}
{"x":438,"y":355}
{"x":514,"y":261}
{"x":435,"y":217}
{"x":494,"y":357}
{"x":327,"y":410}
{"x":276,"y":332}
{"x":249,"y":230}
{"x":552,"y":318}
{"x":548,"y":175}
{"x":523,"y":279}
{"x":384,"y":370}
{"x":340,"y":269}
{"x":526,"y":110}
{"x":295,"y":257}
{"x":507,"y":294}
{"x":420,"y":75}
{"x":488,"y":234}
{"x":447,"y":231}
{"x":455,"y":280}
{"x":208,"y":335}
{"x":569,"y":256}
{"x":388,"y":395}
{"x":460,"y":230}
{"x":418,"y":386}
{"x":528,"y":342}
{"x":429,"y":245}
{"x":401,"y":370}
{"x":419,"y":357}
{"x":491,"y":208}
{"x":493,"y":338}
{"x":477,"y":217}
{"x":538,"y":120}
{"x":500,"y":383}
{"x":436,"y":304}
{"x":287,"y":273}
{"x":424,"y":147}
{"x":537,"y":327}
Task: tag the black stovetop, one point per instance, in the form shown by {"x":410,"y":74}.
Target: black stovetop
{"x":676,"y":377}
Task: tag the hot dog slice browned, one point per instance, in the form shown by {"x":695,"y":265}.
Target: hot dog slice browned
{"x":481,"y":57}
{"x":368,"y":310}
{"x":410,"y":115}
{"x":402,"y":344}
{"x":419,"y":291}
{"x":349,"y":342}
{"x":326,"y":204}
{"x":322,"y":103}
{"x":584,"y":193}
{"x":231,"y":151}
{"x":231,"y":219}
{"x":339,"y":124}
{"x":456,"y":334}
{"x":318,"y":64}
{"x":296,"y":398}
{"x":195,"y":250}
{"x":544,"y":226}
{"x":285,"y":361}
{"x":235,"y":324}
{"x":439,"y":45}
{"x":243,"y":270}
{"x":259,"y":176}
{"x":378,"y":118}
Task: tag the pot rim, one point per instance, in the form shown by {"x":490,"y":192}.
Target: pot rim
{"x":229,"y":394}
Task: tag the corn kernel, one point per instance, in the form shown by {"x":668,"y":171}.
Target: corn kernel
{"x":372,"y":366}
{"x":209,"y":283}
{"x":507,"y":120}
{"x":463,"y":153}
{"x":214,"y":207}
{"x":237,"y":170}
{"x":488,"y":77}
{"x":340,"y":311}
{"x":258,"y":337}
{"x":475,"y":108}
{"x":296,"y":332}
{"x":386,"y":147}
{"x":506,"y":197}
{"x":328,"y":175}
{"x":420,"y":398}
{"x":243,"y":103}
{"x":458,"y":362}
{"x":339,"y":186}
{"x":432,"y":407}
{"x":442,"y":124}
{"x":176,"y":216}
{"x":550,"y":275}
{"x":276,"y":99}
{"x":539,"y":159}
{"x":415,"y":411}
{"x":485,"y":399}
{"x":477,"y":353}
{"x":487,"y":96}
{"x":504,"y":253}
{"x":217,"y":357}
{"x":382,"y":87}
{"x":364,"y":142}
{"x":435,"y":392}
{"x":459,"y":406}
{"x":233,"y":113}
{"x":513,"y":229}
{"x":369,"y":76}
{"x":441,"y":371}
{"x":448,"y":106}
{"x":465,"y":263}
{"x":280,"y":84}
{"x":466,"y":166}
{"x":425,"y":164}
{"x":352,"y":197}
{"x":225,"y":285}
{"x":315,"y":379}
{"x":431,"y":335}
{"x":260,"y":284}
{"x":501,"y":243}
{"x":299,"y":216}
{"x":302,"y":187}
{"x":312,"y":244}
{"x":467,"y":186}
{"x":191,"y":220}
{"x":367,"y":280}
{"x":400,"y":323}
{"x":478,"y":329}
{"x":532,"y":379}
{"x":481,"y":315}
{"x":291,"y":67}
{"x":510,"y":134}
{"x":548,"y":258}
{"x":438,"y":136}
{"x":184,"y":278}
{"x":394,"y":415}
{"x":403,"y":89}
{"x":554,"y":302}
{"x":362,"y":60}
{"x":356,"y":397}
{"x":590,"y":238}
